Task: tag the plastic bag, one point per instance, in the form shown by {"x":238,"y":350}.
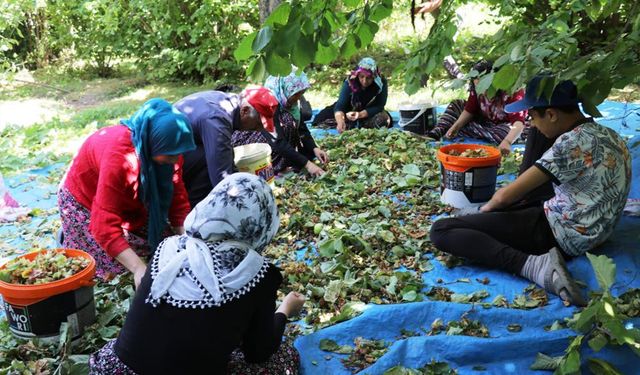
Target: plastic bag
{"x":10,"y":209}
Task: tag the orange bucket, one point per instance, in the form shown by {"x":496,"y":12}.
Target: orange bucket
{"x":38,"y":310}
{"x":462,"y":164}
{"x":467,"y":181}
{"x":25,"y":295}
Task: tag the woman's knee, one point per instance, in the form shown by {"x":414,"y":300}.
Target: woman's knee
{"x":384,"y":119}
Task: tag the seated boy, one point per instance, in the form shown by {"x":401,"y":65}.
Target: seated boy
{"x":590,"y":168}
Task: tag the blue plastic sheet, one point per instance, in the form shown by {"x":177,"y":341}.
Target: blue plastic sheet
{"x":622,"y":117}
{"x":34,"y":190}
{"x":503,"y":352}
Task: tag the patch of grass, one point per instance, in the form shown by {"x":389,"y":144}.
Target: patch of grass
{"x":56,"y":141}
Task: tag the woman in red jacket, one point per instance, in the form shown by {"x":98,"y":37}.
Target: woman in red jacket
{"x":124,"y":187}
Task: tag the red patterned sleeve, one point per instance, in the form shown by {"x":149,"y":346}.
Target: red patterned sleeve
{"x":517,"y":116}
{"x":472,"y":105}
{"x":117,"y":176}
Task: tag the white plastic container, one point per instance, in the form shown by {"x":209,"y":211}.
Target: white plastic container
{"x":254,"y":158}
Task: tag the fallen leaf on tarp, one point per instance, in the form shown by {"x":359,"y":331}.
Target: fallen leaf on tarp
{"x":329,"y":345}
{"x":545,"y":362}
{"x":514,"y":327}
{"x":467,"y":327}
{"x":431,"y":368}
{"x":629,"y":303}
{"x":365,"y":353}
{"x":533,"y":297}
{"x":405,"y":333}
{"x":500,"y":301}
{"x":555,"y":326}
{"x":418,"y":234}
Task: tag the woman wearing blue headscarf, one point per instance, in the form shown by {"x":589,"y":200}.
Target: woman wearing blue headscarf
{"x":125,"y":186}
{"x":291,"y":142}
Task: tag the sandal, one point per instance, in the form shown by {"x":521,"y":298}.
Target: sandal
{"x":564,"y":282}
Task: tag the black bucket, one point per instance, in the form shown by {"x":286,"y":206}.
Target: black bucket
{"x":467,"y":181}
{"x":478,"y":184}
{"x":418,"y":118}
{"x":42,"y":319}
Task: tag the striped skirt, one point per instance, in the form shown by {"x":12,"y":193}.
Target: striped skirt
{"x":478,"y":129}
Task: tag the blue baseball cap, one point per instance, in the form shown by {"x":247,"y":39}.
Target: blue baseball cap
{"x":564,"y":94}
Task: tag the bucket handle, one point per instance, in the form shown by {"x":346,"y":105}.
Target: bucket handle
{"x":402,"y":124}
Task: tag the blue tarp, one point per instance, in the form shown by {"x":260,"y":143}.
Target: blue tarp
{"x":503,"y":352}
{"x":622,"y":117}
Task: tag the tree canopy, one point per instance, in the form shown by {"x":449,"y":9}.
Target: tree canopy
{"x":594,"y":43}
{"x":187,"y":39}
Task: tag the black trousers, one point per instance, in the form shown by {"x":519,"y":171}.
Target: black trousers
{"x":537,"y":144}
{"x":502,"y":239}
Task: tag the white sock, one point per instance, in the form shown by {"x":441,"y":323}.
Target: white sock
{"x":535,"y":268}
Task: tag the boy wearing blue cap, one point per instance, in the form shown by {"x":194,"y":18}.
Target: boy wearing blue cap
{"x":590,"y":168}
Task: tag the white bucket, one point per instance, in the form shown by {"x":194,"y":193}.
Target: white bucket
{"x":418,"y":118}
{"x":254,"y":158}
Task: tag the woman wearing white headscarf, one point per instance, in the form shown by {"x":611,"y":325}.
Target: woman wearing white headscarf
{"x":210,"y":292}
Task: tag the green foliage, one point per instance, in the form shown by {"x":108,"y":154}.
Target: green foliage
{"x":431,"y":51}
{"x":600,"y":324}
{"x":301,"y":33}
{"x":354,"y":221}
{"x":430,"y":368}
{"x":18,"y":37}
{"x":593,"y":43}
{"x":190,"y":39}
{"x":96,"y":30}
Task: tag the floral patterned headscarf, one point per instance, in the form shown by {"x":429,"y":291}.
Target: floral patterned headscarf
{"x":285,"y":87}
{"x":219,"y":258}
{"x":369,"y":67}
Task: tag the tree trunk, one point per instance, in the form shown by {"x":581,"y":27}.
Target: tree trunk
{"x":266,"y":7}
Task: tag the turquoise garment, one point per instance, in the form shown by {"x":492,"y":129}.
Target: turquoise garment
{"x":158,"y":129}
{"x":285,"y":87}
